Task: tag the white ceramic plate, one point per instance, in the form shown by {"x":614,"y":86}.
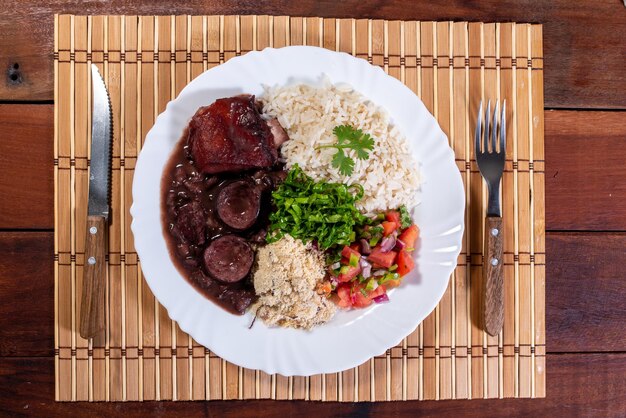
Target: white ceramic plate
{"x":351,"y":337}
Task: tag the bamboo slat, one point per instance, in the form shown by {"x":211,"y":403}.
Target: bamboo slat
{"x":147,"y":60}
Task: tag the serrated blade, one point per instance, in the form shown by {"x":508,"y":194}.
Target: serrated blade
{"x":101,"y":140}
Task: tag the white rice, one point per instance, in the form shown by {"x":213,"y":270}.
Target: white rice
{"x":390,"y":176}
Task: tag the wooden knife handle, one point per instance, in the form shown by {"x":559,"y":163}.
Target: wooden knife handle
{"x":493,"y":276}
{"x":92,"y":299}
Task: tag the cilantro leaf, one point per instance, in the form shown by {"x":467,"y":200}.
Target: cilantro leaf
{"x":344,"y":163}
{"x":355,"y":139}
{"x":349,"y":138}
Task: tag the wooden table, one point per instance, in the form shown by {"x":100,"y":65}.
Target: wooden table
{"x":585,"y":123}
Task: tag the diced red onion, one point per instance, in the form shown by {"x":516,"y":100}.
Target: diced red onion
{"x":382,"y":298}
{"x":365,"y":247}
{"x":388,"y":243}
{"x":379,"y":272}
{"x":400,"y":244}
{"x":335,"y":266}
{"x":367,"y":272}
{"x":366,"y":268}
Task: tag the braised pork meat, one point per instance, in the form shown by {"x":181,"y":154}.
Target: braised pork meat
{"x":231,"y":135}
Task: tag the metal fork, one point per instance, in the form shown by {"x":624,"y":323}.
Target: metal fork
{"x":490,"y":162}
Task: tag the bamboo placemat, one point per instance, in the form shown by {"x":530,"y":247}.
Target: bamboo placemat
{"x":147,"y":60}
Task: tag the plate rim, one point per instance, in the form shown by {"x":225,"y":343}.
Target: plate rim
{"x":135,"y":210}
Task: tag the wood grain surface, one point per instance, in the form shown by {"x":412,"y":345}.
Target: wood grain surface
{"x":27,"y":196}
{"x":584,"y":292}
{"x":576,"y":384}
{"x":26,"y":294}
{"x":584,"y":48}
{"x":585,"y":206}
{"x":93,"y":294}
{"x":585,"y":154}
{"x":493,"y":276}
{"x":585,"y":170}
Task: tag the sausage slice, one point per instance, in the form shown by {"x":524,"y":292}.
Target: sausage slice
{"x":238,"y":204}
{"x":228,"y":258}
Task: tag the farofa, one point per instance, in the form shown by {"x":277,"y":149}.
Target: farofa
{"x":285,"y":279}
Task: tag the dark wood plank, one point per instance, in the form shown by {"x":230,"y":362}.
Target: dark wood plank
{"x":591,"y":142}
{"x":585,"y":158}
{"x":584,"y":293}
{"x":26,"y":293}
{"x":583,"y":385}
{"x":583,"y":48}
{"x":26,"y":183}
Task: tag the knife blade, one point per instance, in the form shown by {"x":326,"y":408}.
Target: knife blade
{"x":92,"y":304}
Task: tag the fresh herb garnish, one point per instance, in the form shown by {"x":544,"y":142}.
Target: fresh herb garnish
{"x":349,"y":138}
{"x":405,"y":217}
{"x":311,"y":210}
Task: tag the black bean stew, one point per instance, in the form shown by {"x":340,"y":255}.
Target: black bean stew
{"x":213,"y":223}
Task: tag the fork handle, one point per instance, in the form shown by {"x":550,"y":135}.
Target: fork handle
{"x":493,"y":276}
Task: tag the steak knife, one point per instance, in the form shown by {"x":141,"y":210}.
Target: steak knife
{"x":92,"y":303}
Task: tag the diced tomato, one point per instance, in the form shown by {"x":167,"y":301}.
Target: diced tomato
{"x":393,"y":216}
{"x":350,"y":274}
{"x":347,"y":251}
{"x":343,"y":296}
{"x":360,"y":300}
{"x":354,"y":295}
{"x":410,"y":235}
{"x":405,"y":263}
{"x":389,"y":227}
{"x":380,"y":290}
{"x":355,"y":247}
{"x":382,"y":259}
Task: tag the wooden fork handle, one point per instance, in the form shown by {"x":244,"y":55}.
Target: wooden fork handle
{"x":493,"y":276}
{"x":94,"y":276}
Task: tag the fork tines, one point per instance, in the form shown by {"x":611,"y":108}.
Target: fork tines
{"x":491,"y":129}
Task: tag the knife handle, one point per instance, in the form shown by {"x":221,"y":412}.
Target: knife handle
{"x":94,"y":276}
{"x":493,"y":276}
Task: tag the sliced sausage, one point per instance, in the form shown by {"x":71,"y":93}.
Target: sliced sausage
{"x":238,"y":204}
{"x":228,"y":258}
